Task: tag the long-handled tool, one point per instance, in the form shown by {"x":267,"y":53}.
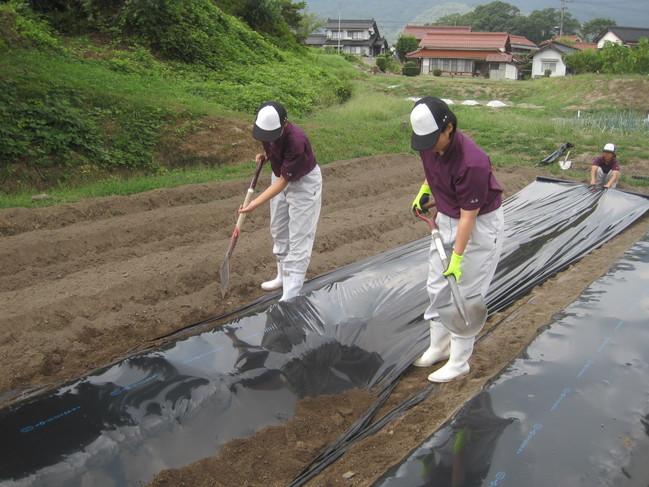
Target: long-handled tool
{"x":464,"y":316}
{"x":225,"y":267}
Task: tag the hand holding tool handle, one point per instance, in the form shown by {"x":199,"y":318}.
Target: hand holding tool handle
{"x":439,"y":245}
{"x":225,"y":266}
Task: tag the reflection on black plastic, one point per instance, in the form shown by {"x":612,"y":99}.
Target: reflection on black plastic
{"x":360,"y":326}
{"x":575,"y":402}
{"x":461,"y":454}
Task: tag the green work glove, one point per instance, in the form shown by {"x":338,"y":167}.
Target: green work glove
{"x":454,"y":266}
{"x":421,"y":199}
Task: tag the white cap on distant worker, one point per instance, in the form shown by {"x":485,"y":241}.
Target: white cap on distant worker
{"x":609,"y":148}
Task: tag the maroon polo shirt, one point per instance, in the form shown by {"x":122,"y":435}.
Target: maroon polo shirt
{"x":613,"y":166}
{"x":461,"y":178}
{"x":291,"y":155}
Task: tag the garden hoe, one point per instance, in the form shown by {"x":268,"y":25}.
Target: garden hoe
{"x":464,"y":317}
{"x":225,"y":267}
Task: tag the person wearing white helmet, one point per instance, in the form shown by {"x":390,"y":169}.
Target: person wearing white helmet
{"x":468,"y":200}
{"x":295,"y":195}
{"x":605,"y":169}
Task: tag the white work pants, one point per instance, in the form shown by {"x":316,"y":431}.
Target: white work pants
{"x":294,"y":217}
{"x":478,"y":264}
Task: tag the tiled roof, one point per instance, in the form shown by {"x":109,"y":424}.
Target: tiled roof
{"x":419,"y":31}
{"x":571,"y":38}
{"x":520,"y":40}
{"x":585,"y":45}
{"x":575,"y":45}
{"x":501,"y":57}
{"x":452,"y":54}
{"x":561,"y":39}
{"x":466,"y":40}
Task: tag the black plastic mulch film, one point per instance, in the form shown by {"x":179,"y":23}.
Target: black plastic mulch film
{"x":360,"y":326}
{"x":571,"y":410}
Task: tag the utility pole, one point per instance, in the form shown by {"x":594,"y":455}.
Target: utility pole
{"x":339,"y":31}
{"x":563,"y":9}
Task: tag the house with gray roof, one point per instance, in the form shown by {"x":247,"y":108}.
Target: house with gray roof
{"x":627,"y":36}
{"x":549,"y":59}
{"x":357,"y":37}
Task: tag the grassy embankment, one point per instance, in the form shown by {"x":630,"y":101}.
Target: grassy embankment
{"x":107,"y":108}
{"x":375,"y":121}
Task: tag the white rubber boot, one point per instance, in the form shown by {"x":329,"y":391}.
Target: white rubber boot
{"x":439,"y":349}
{"x":275,"y":283}
{"x":292,"y":285}
{"x":458,"y":363}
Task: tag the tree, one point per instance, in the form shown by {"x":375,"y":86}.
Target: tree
{"x":539,"y":26}
{"x":493,"y":17}
{"x":592,"y":28}
{"x":262,"y":15}
{"x":498,"y":16}
{"x":310,"y":23}
{"x":292,"y":12}
{"x":404,"y":45}
{"x":570,"y":25}
{"x":450,"y":19}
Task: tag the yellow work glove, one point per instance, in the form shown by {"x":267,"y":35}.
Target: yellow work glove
{"x":421,"y":199}
{"x":454,"y":266}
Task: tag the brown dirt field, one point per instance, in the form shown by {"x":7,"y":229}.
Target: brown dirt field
{"x":83,"y":284}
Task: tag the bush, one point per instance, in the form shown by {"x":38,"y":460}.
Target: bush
{"x":612,"y":59}
{"x":437,"y":72}
{"x":410,"y":68}
{"x":382,"y":63}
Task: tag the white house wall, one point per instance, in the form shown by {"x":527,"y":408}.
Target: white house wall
{"x":548,"y":56}
{"x":511,"y":72}
{"x":348,"y":35}
{"x":504,"y":71}
{"x":609,"y":36}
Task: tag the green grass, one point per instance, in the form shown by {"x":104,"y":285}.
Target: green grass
{"x":375,"y":121}
{"x":561,"y":94}
{"x":98,"y":82}
{"x":368,"y":124}
{"x":117,"y":186}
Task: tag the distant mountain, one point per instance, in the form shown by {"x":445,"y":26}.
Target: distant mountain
{"x":391,"y":15}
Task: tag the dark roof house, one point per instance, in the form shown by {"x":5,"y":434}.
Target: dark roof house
{"x":358,"y":37}
{"x":628,"y":36}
